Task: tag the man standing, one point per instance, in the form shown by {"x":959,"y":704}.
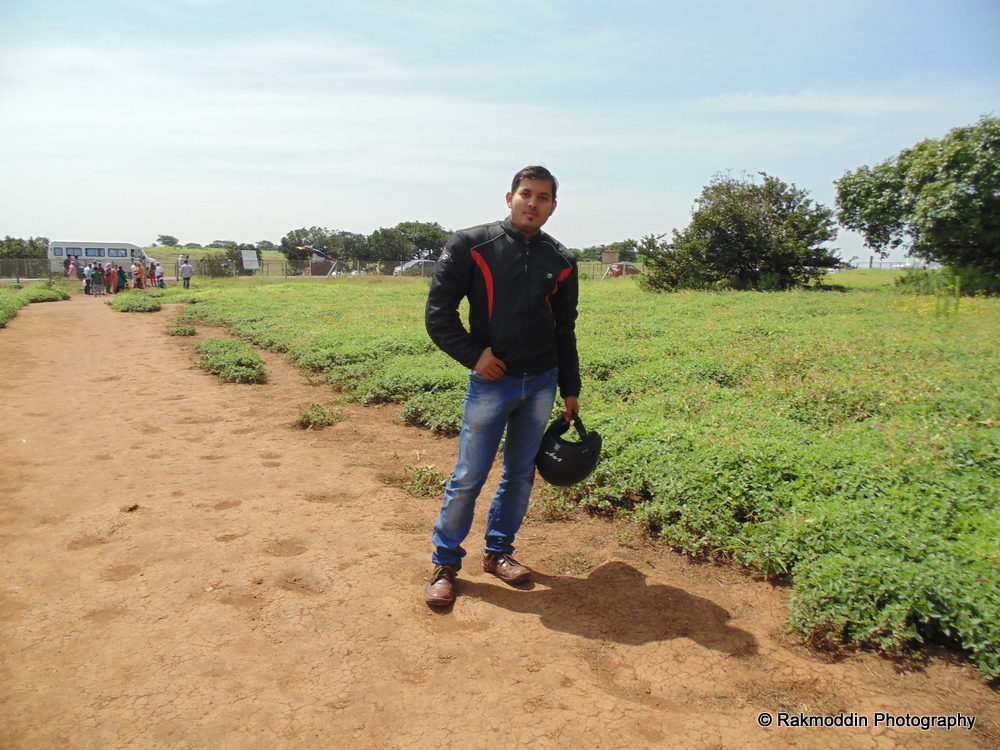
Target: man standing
{"x":522,"y":288}
{"x":187,"y":271}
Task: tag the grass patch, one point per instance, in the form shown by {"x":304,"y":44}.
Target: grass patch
{"x":423,"y":481}
{"x":181,"y":329}
{"x":16,"y":296}
{"x":317,"y":416}
{"x":135,"y":302}
{"x":231,"y":361}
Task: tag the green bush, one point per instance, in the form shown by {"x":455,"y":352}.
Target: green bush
{"x":423,"y":481}
{"x":16,"y":296}
{"x":231,"y":361}
{"x":45,"y":294}
{"x":180,"y":329}
{"x":137,"y":301}
{"x":317,"y":416}
{"x":965,"y":281}
{"x":440,"y":411}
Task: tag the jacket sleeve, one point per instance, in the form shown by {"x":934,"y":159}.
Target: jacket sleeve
{"x":564,"y":308}
{"x":452,"y":280}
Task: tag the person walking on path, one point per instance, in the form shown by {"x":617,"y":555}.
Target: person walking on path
{"x":97,"y":281}
{"x":520,"y":346}
{"x":187,"y":271}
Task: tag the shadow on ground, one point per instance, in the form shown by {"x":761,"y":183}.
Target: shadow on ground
{"x":614,"y":603}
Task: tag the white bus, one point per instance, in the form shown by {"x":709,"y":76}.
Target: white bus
{"x":119,"y":253}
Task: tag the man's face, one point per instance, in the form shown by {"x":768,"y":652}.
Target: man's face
{"x":531,"y":205}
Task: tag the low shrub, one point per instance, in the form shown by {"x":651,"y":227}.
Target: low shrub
{"x":317,"y":416}
{"x":137,"y":302}
{"x":440,"y":411}
{"x":181,"y":330}
{"x":423,"y":481}
{"x":45,"y":294}
{"x":16,"y":296}
{"x":231,"y":361}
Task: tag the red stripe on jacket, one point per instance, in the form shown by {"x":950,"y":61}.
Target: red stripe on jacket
{"x":562,"y":277}
{"x":487,"y":277}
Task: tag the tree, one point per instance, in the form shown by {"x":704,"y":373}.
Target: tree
{"x":746,"y":235}
{"x":17,"y":248}
{"x":266,"y":245}
{"x":296,"y":244}
{"x":428,"y":238}
{"x":940,"y":199}
{"x":166,"y":240}
{"x":226,"y":262}
{"x":390,"y":244}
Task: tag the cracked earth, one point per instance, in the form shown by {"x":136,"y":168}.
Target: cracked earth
{"x":182,"y":567}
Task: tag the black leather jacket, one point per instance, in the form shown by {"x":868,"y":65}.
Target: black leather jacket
{"x":522,"y":302}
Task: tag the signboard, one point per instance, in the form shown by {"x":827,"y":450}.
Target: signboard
{"x":250,"y":260}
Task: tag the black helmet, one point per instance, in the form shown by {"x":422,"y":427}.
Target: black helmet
{"x":563,"y":463}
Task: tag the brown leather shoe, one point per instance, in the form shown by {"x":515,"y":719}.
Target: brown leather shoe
{"x":505,"y":567}
{"x":440,"y":590}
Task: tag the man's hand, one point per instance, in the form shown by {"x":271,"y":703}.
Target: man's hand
{"x":489,"y":366}
{"x":572,"y":407}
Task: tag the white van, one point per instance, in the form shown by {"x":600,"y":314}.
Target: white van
{"x":119,"y":253}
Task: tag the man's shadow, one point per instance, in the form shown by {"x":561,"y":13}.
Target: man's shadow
{"x":614,"y":603}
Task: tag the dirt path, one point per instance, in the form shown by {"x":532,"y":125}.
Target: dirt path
{"x":184,"y":568}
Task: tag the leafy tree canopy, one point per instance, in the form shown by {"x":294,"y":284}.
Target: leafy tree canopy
{"x":745,"y":234}
{"x":167,"y":240}
{"x":33,"y":247}
{"x":391,"y":244}
{"x":940,"y":199}
{"x":429,"y":239}
{"x":297,"y":245}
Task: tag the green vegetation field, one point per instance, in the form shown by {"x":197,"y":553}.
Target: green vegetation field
{"x":847,"y":441}
{"x":15,"y":296}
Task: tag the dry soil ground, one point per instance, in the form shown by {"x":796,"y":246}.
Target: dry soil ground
{"x":184,"y":568}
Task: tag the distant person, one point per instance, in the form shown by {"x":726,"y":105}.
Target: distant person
{"x":97,"y":281}
{"x":109,"y":274}
{"x":66,"y":264}
{"x":121,"y":280}
{"x":88,"y":271}
{"x":187,"y":271}
{"x":160,"y":283}
{"x":137,"y":275}
{"x":74,"y":268}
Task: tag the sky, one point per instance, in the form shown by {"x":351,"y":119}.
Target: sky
{"x":121,"y":120}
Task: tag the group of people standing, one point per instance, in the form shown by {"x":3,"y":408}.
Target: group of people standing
{"x":100,"y":279}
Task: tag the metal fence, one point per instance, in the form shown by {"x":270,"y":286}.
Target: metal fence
{"x":280,"y":268}
{"x":39,"y":268}
{"x":24,"y":268}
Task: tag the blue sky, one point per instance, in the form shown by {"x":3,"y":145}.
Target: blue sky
{"x":221,"y":119}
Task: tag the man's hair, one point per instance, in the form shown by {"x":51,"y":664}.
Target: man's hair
{"x":535,"y":173}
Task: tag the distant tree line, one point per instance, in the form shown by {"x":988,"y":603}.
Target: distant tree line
{"x":33,"y":247}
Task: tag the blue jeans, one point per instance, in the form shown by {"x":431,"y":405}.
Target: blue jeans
{"x":522,"y":405}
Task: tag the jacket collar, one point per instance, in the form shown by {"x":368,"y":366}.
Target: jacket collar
{"x":517,"y":234}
